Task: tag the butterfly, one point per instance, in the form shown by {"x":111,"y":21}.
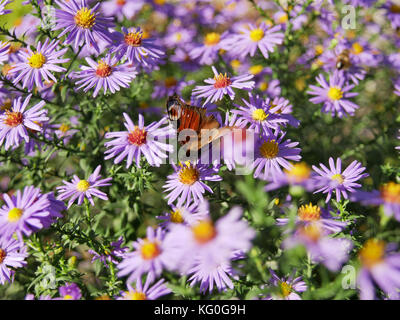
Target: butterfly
{"x":194,"y":118}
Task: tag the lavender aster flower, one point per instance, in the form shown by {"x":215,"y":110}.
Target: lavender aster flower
{"x":145,"y":292}
{"x":36,"y":65}
{"x":137,"y":140}
{"x":121,"y":8}
{"x":12,"y":255}
{"x":149,"y":258}
{"x":4,"y":50}
{"x":14,"y":123}
{"x":221,"y":85}
{"x":381,"y":267}
{"x":207,"y":52}
{"x":24,"y":213}
{"x":333,"y":179}
{"x":3,"y":4}
{"x":252,"y":37}
{"x":70,"y":291}
{"x":286,"y":288}
{"x":83,"y":24}
{"x":393,"y":13}
{"x":130,"y":44}
{"x":105,"y":74}
{"x":110,"y":255}
{"x":81,"y":189}
{"x":187,"y":182}
{"x":334,"y":95}
{"x":272,"y":153}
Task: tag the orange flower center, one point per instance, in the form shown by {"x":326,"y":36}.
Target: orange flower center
{"x":137,"y":137}
{"x":372,"y":252}
{"x":134,"y":39}
{"x":84,"y":18}
{"x":103,"y":69}
{"x":2,"y":255}
{"x":204,"y":231}
{"x":149,"y":250}
{"x":269,"y":149}
{"x":390,"y":192}
{"x":309,"y":212}
{"x":170,"y":82}
{"x":188,"y":175}
{"x":135,"y":295}
{"x":121,"y":2}
{"x":312,"y":231}
{"x":13,"y":119}
{"x":222,"y":81}
{"x":299,"y":172}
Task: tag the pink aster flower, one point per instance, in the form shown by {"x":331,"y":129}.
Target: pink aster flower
{"x":272,"y":154}
{"x":252,"y":38}
{"x":83,"y":25}
{"x":105,"y":74}
{"x":221,"y":85}
{"x":186,"y":184}
{"x":333,"y":179}
{"x":145,"y":292}
{"x":131,"y":45}
{"x":14,"y":123}
{"x":334,"y":95}
{"x":150,"y":257}
{"x":37,"y":65}
{"x":12,"y":255}
{"x":137,"y":140}
{"x":81,"y":189}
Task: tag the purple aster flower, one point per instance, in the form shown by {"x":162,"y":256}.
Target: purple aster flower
{"x":137,"y":140}
{"x":130,"y":44}
{"x":24,"y":213}
{"x":333,"y":179}
{"x":397,"y":87}
{"x":188,"y":214}
{"x":70,"y":291}
{"x":187,"y":182}
{"x":221,"y":85}
{"x":31,"y":296}
{"x":388,"y":195}
{"x":80,"y":189}
{"x":207,"y":52}
{"x":145,"y":292}
{"x":14,"y":123}
{"x":272,"y":153}
{"x":4,"y":50}
{"x":12,"y":255}
{"x":257,"y":115}
{"x":83,"y":24}
{"x":36,"y":65}
{"x":64,"y":131}
{"x":150,"y":257}
{"x":105,"y":74}
{"x":334,"y":95}
{"x":393,"y":13}
{"x":286,"y":288}
{"x":207,"y":245}
{"x":169,"y":86}
{"x":332,"y":252}
{"x":300,"y":174}
{"x":121,"y":8}
{"x":379,"y":266}
{"x":252,"y":38}
{"x":309,"y":213}
{"x":116,"y":251}
{"x":284,"y":109}
{"x":3,"y":4}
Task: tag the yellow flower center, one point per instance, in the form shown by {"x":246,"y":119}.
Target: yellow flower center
{"x":149,"y":250}
{"x":264,"y":86}
{"x":159,"y":2}
{"x":204,"y":231}
{"x":134,"y":39}
{"x":390,"y":192}
{"x":372,"y":252}
{"x":178,"y":36}
{"x":319,"y":49}
{"x":68,"y":297}
{"x":82,"y":186}
{"x":259,"y":115}
{"x":256,"y":69}
{"x":176,"y":216}
{"x":103,"y":297}
{"x":221,"y":81}
{"x":338,"y":178}
{"x":312,"y":231}
{"x":15,"y":214}
{"x":269,"y":149}
{"x":309,"y":212}
{"x":188,"y":175}
{"x":170,"y":82}
{"x":137,"y":137}
{"x":335,"y":93}
{"x":13,"y":119}
{"x":357,"y":48}
{"x":84,"y":18}
{"x":395,"y":8}
{"x":299,"y":172}
{"x":235,"y":64}
{"x":283,"y":18}
{"x":256,"y":35}
{"x":64,"y":128}
{"x":103,"y":69}
{"x":37,"y":60}
{"x":211,"y":39}
{"x":135,"y":295}
{"x":6,"y":69}
{"x":285,"y":288}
